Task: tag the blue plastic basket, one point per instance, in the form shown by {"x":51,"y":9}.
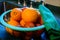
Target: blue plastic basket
{"x":18,"y":28}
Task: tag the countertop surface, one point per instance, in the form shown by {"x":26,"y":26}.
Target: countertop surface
{"x":52,"y":2}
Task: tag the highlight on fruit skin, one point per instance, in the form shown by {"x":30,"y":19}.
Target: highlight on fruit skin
{"x":30,"y":15}
{"x":16,"y":14}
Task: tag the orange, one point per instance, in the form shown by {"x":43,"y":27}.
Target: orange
{"x":22,"y":23}
{"x":39,"y":20}
{"x":29,"y":25}
{"x":13,"y":23}
{"x":16,"y":33}
{"x":16,"y":13}
{"x":30,"y":15}
{"x":12,"y":32}
{"x":38,"y":24}
{"x":24,"y":8}
{"x":26,"y":24}
{"x":9,"y":30}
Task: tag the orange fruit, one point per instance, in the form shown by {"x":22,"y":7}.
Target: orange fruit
{"x":40,"y":20}
{"x":29,"y":25}
{"x":22,"y":23}
{"x":9,"y":30}
{"x":30,"y":15}
{"x":28,"y":35}
{"x":12,"y":32}
{"x":26,"y":24}
{"x":38,"y":24}
{"x":24,"y":8}
{"x":16,"y":33}
{"x":13,"y":23}
{"x":16,"y":14}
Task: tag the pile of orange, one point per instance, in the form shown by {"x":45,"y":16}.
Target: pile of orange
{"x":26,"y":18}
